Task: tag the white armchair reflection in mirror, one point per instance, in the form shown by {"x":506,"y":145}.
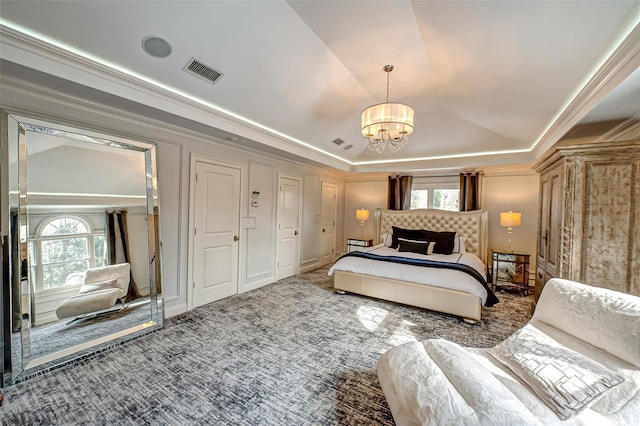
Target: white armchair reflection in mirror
{"x":101,"y":289}
{"x":81,"y":210}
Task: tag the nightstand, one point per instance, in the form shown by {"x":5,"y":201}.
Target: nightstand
{"x":509,"y":271}
{"x":354,"y":244}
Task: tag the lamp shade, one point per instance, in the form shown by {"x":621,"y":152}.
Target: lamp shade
{"x":510,"y":219}
{"x":362,"y":214}
{"x":389,"y":121}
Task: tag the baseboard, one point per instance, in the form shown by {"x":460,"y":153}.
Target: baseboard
{"x":257,"y":284}
{"x":45,"y":318}
{"x":174,"y":309}
{"x":310,"y":267}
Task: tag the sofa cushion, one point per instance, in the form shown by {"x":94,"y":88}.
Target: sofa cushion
{"x":87,"y":303}
{"x":604,"y":318}
{"x":121,"y":272}
{"x":100,"y":285}
{"x":437,"y":382}
{"x":565,"y":380}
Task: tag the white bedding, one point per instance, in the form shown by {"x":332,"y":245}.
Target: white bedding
{"x":437,"y":277}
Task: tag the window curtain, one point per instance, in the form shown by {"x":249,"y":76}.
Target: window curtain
{"x":117,"y":238}
{"x":399,"y":195}
{"x":469,"y":191}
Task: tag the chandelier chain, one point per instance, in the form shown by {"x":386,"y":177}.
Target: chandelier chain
{"x":388,"y":72}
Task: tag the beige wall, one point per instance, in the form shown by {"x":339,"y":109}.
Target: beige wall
{"x":506,"y":188}
{"x":368,"y":194}
{"x":517,"y":190}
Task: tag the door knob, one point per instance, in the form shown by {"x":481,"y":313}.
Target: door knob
{"x":323,"y":230}
{"x":295,"y":232}
{"x":235,"y":238}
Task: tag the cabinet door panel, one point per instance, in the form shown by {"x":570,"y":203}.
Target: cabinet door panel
{"x":555,"y":218}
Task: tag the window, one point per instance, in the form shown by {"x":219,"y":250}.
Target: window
{"x":64,"y":245}
{"x":435,"y":193}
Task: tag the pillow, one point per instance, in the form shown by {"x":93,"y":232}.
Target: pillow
{"x":568,"y":382}
{"x":421,"y":247}
{"x":100,"y":285}
{"x":385,"y":240}
{"x":444,"y":241}
{"x":458,"y":245}
{"x":407,"y":234}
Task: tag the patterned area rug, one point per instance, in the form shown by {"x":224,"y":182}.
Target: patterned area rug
{"x":292,"y":352}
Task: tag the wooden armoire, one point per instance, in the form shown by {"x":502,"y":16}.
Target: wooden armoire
{"x":589,"y":215}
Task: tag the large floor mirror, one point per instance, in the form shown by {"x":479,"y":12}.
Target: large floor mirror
{"x":81,"y":268}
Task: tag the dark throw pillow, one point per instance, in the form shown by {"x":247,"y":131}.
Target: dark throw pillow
{"x":445,"y":241}
{"x":408,"y":234}
{"x":421,"y":247}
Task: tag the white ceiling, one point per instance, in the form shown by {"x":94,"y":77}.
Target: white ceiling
{"x":484,"y":77}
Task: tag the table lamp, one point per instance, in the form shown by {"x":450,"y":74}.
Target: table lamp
{"x":362,"y":215}
{"x":510,"y":220}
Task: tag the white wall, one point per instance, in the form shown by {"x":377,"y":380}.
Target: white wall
{"x":175,"y":146}
{"x":259,"y":268}
{"x":71,"y":169}
{"x":311,"y":212}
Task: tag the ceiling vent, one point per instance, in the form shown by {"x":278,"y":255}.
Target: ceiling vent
{"x":338,"y":141}
{"x":202,"y":70}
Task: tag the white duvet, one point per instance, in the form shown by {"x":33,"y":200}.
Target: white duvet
{"x":437,"y":277}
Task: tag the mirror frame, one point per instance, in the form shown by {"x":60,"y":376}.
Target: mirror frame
{"x":14,"y":232}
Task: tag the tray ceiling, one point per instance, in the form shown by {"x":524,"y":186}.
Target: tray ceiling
{"x":488,"y":80}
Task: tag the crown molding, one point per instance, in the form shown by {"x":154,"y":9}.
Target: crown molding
{"x":619,"y":65}
{"x":138,"y":128}
{"x":156,"y":96}
{"x":629,"y":129}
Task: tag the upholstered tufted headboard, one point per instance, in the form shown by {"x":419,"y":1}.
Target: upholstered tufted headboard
{"x":471,"y":225}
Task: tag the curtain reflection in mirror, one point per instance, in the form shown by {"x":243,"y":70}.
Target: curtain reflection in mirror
{"x":117,"y":233}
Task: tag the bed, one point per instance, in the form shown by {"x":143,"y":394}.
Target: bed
{"x":450,"y":291}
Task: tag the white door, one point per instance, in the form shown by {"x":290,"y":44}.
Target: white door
{"x":288,"y":217}
{"x":215,"y":240}
{"x":328,"y":222}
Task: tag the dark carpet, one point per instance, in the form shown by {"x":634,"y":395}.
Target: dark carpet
{"x":292,"y":352}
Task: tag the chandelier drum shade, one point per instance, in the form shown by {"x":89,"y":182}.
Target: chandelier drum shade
{"x":387,"y":123}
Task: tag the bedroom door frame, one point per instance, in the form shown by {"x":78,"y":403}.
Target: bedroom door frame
{"x":195,"y":158}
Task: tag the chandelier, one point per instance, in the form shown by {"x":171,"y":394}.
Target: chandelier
{"x":387,"y":124}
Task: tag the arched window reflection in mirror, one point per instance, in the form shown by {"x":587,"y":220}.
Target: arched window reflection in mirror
{"x":62,"y":249}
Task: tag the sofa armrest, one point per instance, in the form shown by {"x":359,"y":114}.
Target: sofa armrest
{"x":604,"y":318}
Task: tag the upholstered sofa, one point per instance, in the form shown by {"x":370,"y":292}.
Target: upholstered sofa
{"x":100,"y":289}
{"x":576,"y":362}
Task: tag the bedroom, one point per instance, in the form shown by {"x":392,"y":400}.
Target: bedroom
{"x":60,"y":89}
